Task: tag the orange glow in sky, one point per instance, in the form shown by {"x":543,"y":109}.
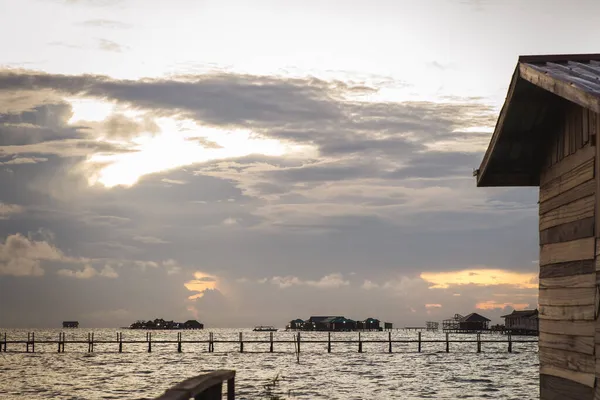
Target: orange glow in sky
{"x":482,"y":277}
{"x":491,"y":304}
{"x":201,"y":283}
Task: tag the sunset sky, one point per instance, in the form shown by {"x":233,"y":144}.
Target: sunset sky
{"x":253,"y":162}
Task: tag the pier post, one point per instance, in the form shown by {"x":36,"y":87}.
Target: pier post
{"x":271,"y":344}
{"x":179,"y":342}
{"x":28,"y":340}
{"x":59,"y":340}
{"x":509,"y":343}
{"x":5,"y":342}
{"x":64,"y":340}
{"x":479,"y":342}
{"x":447,"y":343}
{"x":90,"y":342}
{"x":241,"y":343}
{"x":329,"y":342}
{"x":120,"y":339}
{"x":149,"y":339}
{"x":298,"y":343}
{"x":33,"y":342}
{"x":390,"y":341}
{"x":419,"y":342}
{"x":359,"y":343}
{"x":211,"y":342}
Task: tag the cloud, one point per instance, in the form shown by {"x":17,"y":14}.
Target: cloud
{"x":369,"y":285}
{"x":24,"y":160}
{"x":21,"y":256}
{"x":89,"y":272}
{"x":149,"y":240}
{"x":6,"y":210}
{"x":105,"y":23}
{"x":109,"y":45}
{"x":96,"y":3}
{"x":201,"y":284}
{"x":483,"y":277}
{"x":327,"y":282}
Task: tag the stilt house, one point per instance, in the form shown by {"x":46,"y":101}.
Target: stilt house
{"x":547,"y":136}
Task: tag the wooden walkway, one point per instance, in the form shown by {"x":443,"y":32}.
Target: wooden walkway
{"x":28,"y":345}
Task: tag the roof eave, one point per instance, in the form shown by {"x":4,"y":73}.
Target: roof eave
{"x":482,"y":178}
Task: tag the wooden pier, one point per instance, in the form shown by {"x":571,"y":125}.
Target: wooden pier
{"x":203,"y":387}
{"x":28,"y":345}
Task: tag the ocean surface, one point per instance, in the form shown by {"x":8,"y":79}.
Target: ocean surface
{"x":343,"y":374}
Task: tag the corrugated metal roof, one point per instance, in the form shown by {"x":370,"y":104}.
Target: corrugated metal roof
{"x":583,"y":75}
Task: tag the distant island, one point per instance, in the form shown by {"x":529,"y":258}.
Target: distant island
{"x":160,"y":323}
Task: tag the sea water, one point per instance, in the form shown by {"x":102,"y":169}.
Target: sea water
{"x":342,"y":374}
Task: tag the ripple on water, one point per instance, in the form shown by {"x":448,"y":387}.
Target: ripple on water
{"x":343,"y":374}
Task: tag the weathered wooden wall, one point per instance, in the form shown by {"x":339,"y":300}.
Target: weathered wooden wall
{"x":567,"y":297}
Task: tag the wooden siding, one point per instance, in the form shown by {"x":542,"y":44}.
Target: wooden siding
{"x":568,"y":281}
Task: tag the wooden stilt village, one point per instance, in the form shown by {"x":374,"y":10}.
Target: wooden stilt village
{"x":547,"y":136}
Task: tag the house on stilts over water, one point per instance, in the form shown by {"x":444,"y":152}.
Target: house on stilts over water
{"x":547,"y":136}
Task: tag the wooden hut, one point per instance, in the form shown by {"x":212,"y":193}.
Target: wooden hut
{"x":546,"y":136}
{"x":70,"y":324}
{"x":522,"y":322}
{"x":193,"y":324}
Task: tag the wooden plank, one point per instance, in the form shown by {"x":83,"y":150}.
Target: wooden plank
{"x":579,"y":344}
{"x":585,"y":133}
{"x":560,"y":88}
{"x":559,"y":388}
{"x":568,"y":313}
{"x":567,"y":297}
{"x":567,"y":269}
{"x":573,"y":281}
{"x":581,"y":249}
{"x":576,"y":328}
{"x":574,"y":211}
{"x":587,"y":188}
{"x":568,"y":360}
{"x":568,"y":164}
{"x":568,"y":180}
{"x":570,"y":231}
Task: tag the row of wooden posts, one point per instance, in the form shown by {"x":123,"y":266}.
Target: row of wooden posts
{"x":30,"y":342}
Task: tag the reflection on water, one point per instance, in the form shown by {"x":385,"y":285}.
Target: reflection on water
{"x":343,"y":374}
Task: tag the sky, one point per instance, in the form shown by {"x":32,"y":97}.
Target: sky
{"x":249,"y":163}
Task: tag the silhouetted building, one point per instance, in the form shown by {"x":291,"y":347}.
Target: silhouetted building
{"x":524,"y":322}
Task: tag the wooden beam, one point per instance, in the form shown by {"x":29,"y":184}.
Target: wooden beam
{"x":568,"y":313}
{"x":573,"y":281}
{"x":481,"y":176}
{"x":587,"y":188}
{"x":542,"y":58}
{"x":560,"y":388}
{"x":574,"y":211}
{"x":568,"y":180}
{"x":579,"y":229}
{"x":577,"y":362}
{"x":569,"y":268}
{"x":559,"y":87}
{"x":578,"y":344}
{"x":581,"y":249}
{"x":567,"y":297}
{"x":576,"y":328}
